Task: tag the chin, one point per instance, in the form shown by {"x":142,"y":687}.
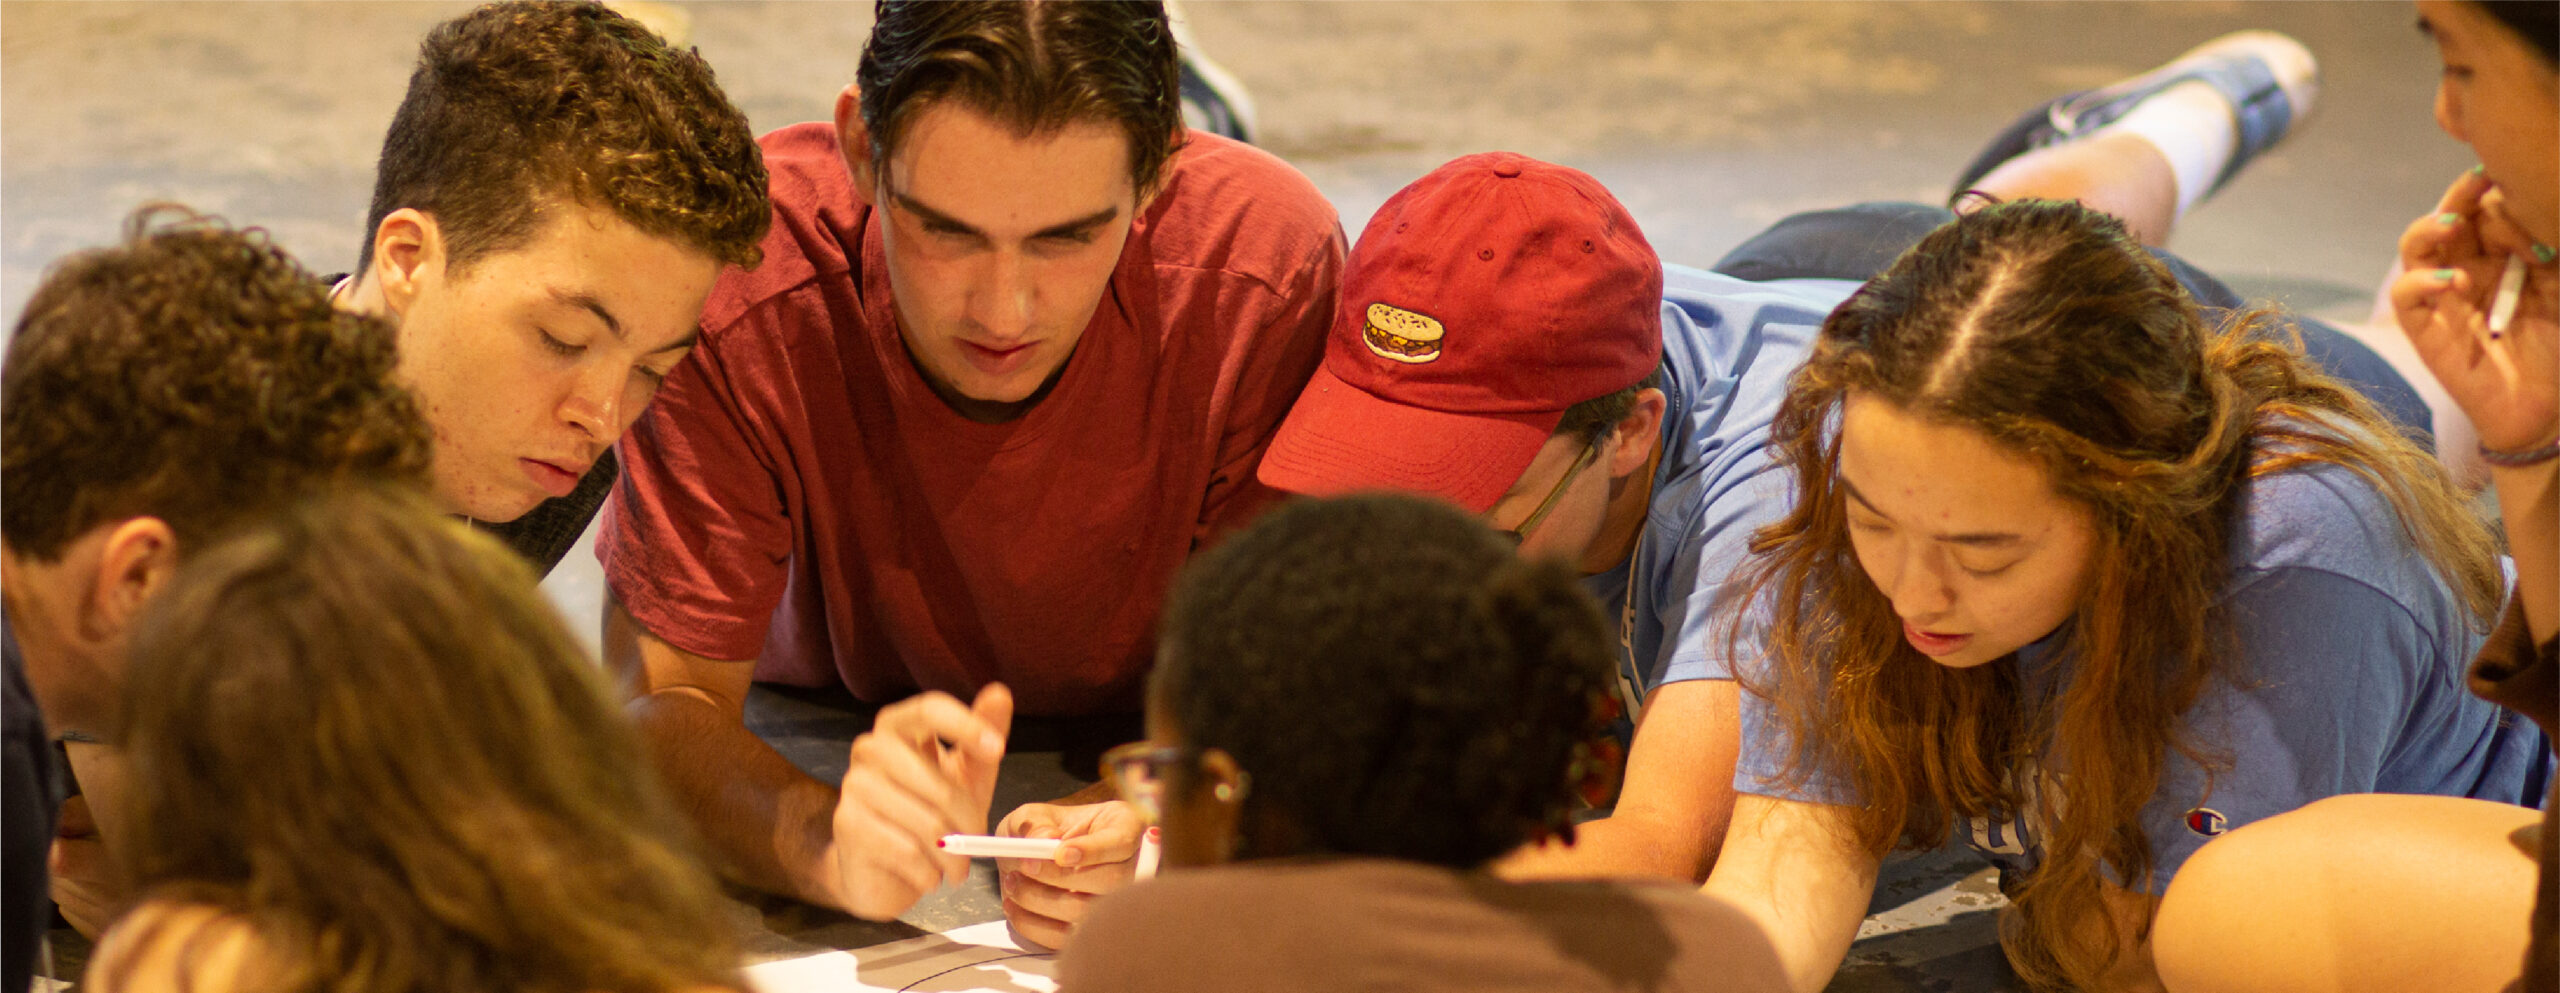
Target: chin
{"x":1966,"y":659}
{"x":491,"y":506}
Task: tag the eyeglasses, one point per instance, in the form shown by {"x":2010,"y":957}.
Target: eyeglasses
{"x":1590,"y":454}
{"x":1138,"y":770}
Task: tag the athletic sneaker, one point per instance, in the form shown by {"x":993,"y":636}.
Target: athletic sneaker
{"x":2269,"y":80}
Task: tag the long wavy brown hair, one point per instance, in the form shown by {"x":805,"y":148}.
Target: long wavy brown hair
{"x":357,"y":731}
{"x":2048,"y":329}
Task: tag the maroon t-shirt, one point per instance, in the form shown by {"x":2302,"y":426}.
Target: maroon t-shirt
{"x":798,"y":494}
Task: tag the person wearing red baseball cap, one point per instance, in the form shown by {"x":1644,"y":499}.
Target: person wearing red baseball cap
{"x":1508,"y":341}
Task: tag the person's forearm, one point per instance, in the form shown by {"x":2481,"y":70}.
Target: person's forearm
{"x":2529,"y":503}
{"x":1613,"y":848}
{"x":765,"y":821}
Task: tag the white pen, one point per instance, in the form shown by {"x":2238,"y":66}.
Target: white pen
{"x":1150,"y":848}
{"x":984,"y":846}
{"x":2510,"y":290}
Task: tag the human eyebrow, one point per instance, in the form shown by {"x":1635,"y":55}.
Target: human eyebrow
{"x":1852,"y":489}
{"x":1973,"y":539}
{"x":688,"y":341}
{"x":1079,"y":226}
{"x":589,"y":303}
{"x":2426,"y":27}
{"x":932,"y":216}
{"x":1068,"y":229}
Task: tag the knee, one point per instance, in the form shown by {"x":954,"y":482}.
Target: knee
{"x":2213,"y":922}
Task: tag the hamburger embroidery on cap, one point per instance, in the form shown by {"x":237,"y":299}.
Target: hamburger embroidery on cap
{"x":1401,"y":335}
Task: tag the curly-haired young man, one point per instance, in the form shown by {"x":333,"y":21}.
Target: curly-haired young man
{"x":130,"y":365}
{"x":555,"y":196}
{"x":1019,"y":341}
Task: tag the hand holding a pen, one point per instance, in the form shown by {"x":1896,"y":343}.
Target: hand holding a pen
{"x":927,"y":768}
{"x":2465,"y":267}
{"x":1046,"y":898}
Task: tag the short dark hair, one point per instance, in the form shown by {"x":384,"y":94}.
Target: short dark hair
{"x":1599,"y":414}
{"x":2536,"y":21}
{"x":1395,"y":679}
{"x":1036,"y":66}
{"x":195,"y":374}
{"x":518,"y":105}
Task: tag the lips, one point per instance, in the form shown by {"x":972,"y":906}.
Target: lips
{"x":995,"y":361}
{"x":1932,"y":644}
{"x":557,"y":479}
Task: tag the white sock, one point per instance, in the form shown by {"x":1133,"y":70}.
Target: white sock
{"x":2193,"y":127}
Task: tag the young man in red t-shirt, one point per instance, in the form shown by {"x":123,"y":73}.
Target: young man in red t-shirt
{"x":1016,"y":348}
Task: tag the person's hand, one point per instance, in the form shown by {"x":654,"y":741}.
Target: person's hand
{"x":85,"y":884}
{"x":926,"y":769}
{"x":1046,"y":899}
{"x":2452,"y":260}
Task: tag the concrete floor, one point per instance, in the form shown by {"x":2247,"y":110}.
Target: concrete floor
{"x":1708,"y":119}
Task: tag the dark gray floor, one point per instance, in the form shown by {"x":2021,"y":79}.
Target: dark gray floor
{"x":1709,"y":120}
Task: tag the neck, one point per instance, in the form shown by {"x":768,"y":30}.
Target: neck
{"x":1630,"y":500}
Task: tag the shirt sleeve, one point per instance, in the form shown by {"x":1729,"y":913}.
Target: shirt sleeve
{"x":1761,"y":767}
{"x":1286,"y":344}
{"x":1706,"y":577}
{"x":2332,"y":672}
{"x":697,"y":539}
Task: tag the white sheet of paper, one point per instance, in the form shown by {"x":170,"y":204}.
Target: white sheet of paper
{"x":977,"y":957}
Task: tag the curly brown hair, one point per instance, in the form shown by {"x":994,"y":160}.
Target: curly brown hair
{"x":2046,"y":327}
{"x":1396,"y":679}
{"x":359,"y":732}
{"x":1034,"y":66}
{"x":193,"y":373}
{"x":518,"y":105}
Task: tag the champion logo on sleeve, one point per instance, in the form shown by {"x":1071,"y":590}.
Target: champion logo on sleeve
{"x":2207,"y":822}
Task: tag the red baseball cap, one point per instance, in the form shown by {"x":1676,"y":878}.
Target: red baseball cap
{"x":1479,"y":304}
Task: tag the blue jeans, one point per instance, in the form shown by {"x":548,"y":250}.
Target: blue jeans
{"x":1859,"y":241}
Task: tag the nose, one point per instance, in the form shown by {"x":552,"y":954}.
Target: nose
{"x":1916,"y":582}
{"x":2449,"y":111}
{"x":1002,"y":302}
{"x":594,"y":403}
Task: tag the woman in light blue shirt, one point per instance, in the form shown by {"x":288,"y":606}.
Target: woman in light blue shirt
{"x":2091,"y":581}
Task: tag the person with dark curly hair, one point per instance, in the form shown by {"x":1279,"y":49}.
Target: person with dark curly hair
{"x":155,"y":394}
{"x":555,"y":196}
{"x":461,"y":813}
{"x":1358,"y":704}
{"x":1020,"y":339}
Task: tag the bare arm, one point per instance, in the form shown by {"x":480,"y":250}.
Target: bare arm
{"x":1796,"y":870}
{"x":2529,"y":503}
{"x":865,"y":846}
{"x":177,"y":946}
{"x":1671,"y":815}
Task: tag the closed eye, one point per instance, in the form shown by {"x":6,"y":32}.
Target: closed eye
{"x":557,"y":346}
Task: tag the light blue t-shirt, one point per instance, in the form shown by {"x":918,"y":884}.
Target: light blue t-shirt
{"x":1728,"y":348}
{"x":2350,"y":680}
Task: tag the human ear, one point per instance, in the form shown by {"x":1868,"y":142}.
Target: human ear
{"x":135,"y":561}
{"x":408,"y":248}
{"x":1220,"y":795}
{"x":1632,"y":441}
{"x":853,"y":142}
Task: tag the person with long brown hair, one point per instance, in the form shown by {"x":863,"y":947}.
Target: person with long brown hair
{"x":2091,"y":580}
{"x":367,"y":756}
